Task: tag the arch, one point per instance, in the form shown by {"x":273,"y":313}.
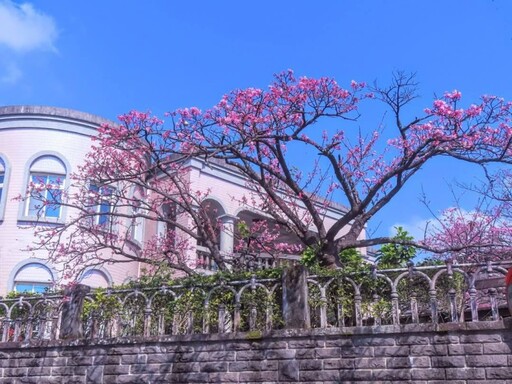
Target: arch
{"x":48,"y":168}
{"x":33,"y":271}
{"x":96,"y":277}
{"x":5,"y":172}
{"x":218,"y":203}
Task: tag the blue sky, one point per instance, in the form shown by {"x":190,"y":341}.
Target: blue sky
{"x":109,"y":57}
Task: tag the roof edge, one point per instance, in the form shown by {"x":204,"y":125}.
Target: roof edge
{"x":40,"y":110}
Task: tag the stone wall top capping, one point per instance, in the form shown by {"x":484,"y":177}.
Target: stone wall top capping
{"x":277,"y":335}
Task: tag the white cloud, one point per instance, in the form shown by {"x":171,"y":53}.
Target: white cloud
{"x":25,"y":29}
{"x":11,"y":74}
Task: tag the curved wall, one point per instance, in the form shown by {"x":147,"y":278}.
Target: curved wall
{"x":58,"y":138}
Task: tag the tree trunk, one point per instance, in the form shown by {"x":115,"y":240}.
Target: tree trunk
{"x":328,"y":256}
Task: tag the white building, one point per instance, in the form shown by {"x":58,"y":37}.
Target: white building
{"x":46,"y":144}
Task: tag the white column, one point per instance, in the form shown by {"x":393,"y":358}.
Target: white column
{"x":227,"y":234}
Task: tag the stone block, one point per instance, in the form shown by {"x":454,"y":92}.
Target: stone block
{"x":262,"y":376}
{"x":288,"y":371}
{"x":487,"y":361}
{"x":185,"y":367}
{"x":218,"y":366}
{"x":497,"y":348}
{"x":412,"y":340}
{"x":356,"y":352}
{"x":429,"y":350}
{"x":143,"y":359}
{"x":108,"y":360}
{"x":403,"y":350}
{"x":407,"y":362}
{"x":370,"y":363}
{"x":15,"y":372}
{"x":250,"y":355}
{"x":310,"y":365}
{"x":309,"y":353}
{"x":257,"y":365}
{"x":116,"y":369}
{"x":68,"y":371}
{"x":79,"y":360}
{"x":279,"y":354}
{"x":465,"y":349}
{"x":480,"y":338}
{"x":38,"y":371}
{"x":223,"y":377}
{"x":464,"y":373}
{"x":391,"y":374}
{"x":338,"y":363}
{"x":328,"y":376}
{"x":448,"y":361}
{"x":499,"y":373}
{"x":94,"y":374}
{"x":327,"y":353}
{"x":339,"y":342}
{"x":427,"y":374}
{"x":222,"y":356}
{"x":445,"y":339}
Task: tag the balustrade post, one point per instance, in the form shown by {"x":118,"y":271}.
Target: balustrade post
{"x":357,"y":309}
{"x":395,"y":307}
{"x":494,"y":303}
{"x":268,"y":313}
{"x":206,"y":318}
{"x":5,"y":332}
{"x":453,"y":305}
{"x":376,"y":316}
{"x":323,"y":308}
{"x":414,"y":308}
{"x":221,"y":318}
{"x":433,"y":305}
{"x":340,"y":313}
{"x":147,"y":322}
{"x":295,"y":298}
{"x":71,"y":314}
{"x":161,"y":322}
{"x":236,"y":317}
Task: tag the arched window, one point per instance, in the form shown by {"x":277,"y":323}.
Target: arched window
{"x":102,"y":205}
{"x":95,"y":278}
{"x":33,"y":277}
{"x":137,"y":225}
{"x":45,"y":185}
{"x":4,"y":173}
{"x":2,"y":178}
{"x":169,"y":215}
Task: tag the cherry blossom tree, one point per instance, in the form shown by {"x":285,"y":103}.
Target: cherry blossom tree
{"x":301,"y":150}
{"x":132,"y":200}
{"x":256,"y":131}
{"x":485,"y":232}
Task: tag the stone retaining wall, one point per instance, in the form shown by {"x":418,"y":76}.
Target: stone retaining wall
{"x":469,"y":353}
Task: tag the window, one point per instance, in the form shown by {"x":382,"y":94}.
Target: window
{"x":45,"y":195}
{"x":137,"y":225}
{"x":167,"y":227}
{"x":46,"y":180}
{"x":102,"y":206}
{"x":34,"y":278}
{"x":3,"y":185}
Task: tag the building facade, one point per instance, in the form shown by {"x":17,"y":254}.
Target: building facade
{"x":46,"y":145}
{"x":41,"y":144}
